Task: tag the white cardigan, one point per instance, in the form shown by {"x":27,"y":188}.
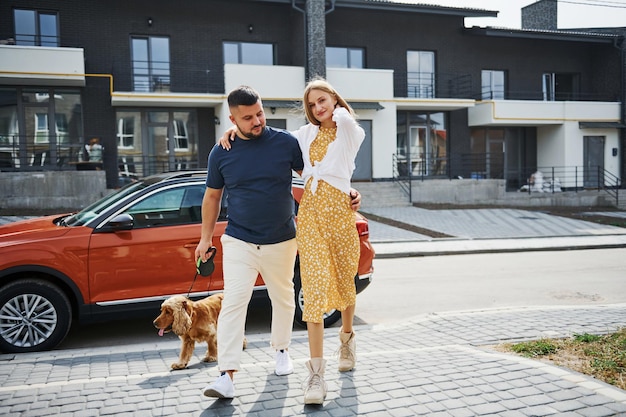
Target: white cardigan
{"x":337,"y":166}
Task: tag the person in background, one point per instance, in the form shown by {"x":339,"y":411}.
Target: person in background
{"x":94,"y":150}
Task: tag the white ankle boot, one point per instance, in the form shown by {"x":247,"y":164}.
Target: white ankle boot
{"x":315,"y":386}
{"x":347,"y":351}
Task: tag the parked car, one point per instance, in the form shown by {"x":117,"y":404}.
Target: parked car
{"x":119,"y":257}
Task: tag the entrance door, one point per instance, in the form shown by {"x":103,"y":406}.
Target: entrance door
{"x":419,"y":150}
{"x":40,"y":143}
{"x":593,"y":160}
{"x":363,"y":170}
{"x":495,"y":157}
{"x":156,"y":145}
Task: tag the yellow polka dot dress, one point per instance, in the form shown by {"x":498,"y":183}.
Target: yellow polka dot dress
{"x":328,"y":242}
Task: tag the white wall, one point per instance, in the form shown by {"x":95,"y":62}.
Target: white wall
{"x":287,"y":83}
{"x":67,"y":65}
{"x":563,"y":146}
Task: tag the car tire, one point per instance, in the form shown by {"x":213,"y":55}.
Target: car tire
{"x":330,"y":318}
{"x":35,"y":315}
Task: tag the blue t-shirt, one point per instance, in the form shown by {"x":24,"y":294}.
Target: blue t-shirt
{"x":256,"y":177}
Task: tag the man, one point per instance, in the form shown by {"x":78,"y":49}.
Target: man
{"x":260,"y":235}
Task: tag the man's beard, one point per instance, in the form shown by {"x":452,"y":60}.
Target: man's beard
{"x":251,"y":135}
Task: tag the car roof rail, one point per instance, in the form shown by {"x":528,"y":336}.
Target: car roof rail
{"x":182,"y":174}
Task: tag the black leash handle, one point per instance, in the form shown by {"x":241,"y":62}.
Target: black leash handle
{"x":205,"y":268}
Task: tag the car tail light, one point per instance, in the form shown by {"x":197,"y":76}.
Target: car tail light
{"x":362,"y":228}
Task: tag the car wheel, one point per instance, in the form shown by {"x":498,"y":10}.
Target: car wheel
{"x":330,"y":318}
{"x":34,"y":316}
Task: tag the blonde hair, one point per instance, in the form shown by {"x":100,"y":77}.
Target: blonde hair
{"x":321,"y":84}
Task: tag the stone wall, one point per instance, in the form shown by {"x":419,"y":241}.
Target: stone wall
{"x":541,"y":15}
{"x":63,"y":190}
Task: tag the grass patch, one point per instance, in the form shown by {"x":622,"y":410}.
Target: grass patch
{"x":541,"y":347}
{"x":602,"y":357}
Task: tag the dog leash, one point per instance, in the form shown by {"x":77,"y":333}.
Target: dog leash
{"x":205,"y":268}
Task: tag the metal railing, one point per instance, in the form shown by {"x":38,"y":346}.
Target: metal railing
{"x":138,"y":166}
{"x":461,"y":85}
{"x":404,"y":181}
{"x":572,"y":178}
{"x":549,"y":179}
{"x":610,"y":184}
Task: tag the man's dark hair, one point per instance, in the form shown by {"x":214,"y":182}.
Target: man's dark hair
{"x":243,"y":96}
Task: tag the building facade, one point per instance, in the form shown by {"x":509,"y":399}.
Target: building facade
{"x":149,"y":80}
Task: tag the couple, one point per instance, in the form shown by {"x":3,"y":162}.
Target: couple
{"x":261,"y":237}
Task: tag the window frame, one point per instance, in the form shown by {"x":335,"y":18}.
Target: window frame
{"x":242,"y":54}
{"x":157,"y":78}
{"x":494,"y":91}
{"x":122,"y":136}
{"x":422,"y":89}
{"x":36,"y":38}
{"x":348,"y":52}
{"x":180,"y":138}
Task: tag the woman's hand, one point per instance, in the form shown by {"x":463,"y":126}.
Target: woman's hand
{"x":356,"y":199}
{"x":228,"y":136}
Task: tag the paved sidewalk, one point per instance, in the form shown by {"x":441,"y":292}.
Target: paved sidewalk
{"x":477,"y":231}
{"x":485,"y":230}
{"x":432,"y":365}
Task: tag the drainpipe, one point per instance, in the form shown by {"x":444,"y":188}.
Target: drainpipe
{"x":621,"y":45}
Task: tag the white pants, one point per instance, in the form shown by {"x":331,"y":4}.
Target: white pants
{"x":242,"y":262}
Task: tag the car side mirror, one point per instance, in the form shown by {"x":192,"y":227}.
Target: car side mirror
{"x":119,"y":223}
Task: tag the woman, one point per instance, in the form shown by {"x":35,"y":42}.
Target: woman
{"x":328,"y":242}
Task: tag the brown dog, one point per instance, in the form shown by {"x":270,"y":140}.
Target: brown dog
{"x":192,"y":321}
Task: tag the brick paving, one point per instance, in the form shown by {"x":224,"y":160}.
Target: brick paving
{"x":432,"y":365}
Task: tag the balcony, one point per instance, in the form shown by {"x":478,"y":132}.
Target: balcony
{"x":36,"y":65}
{"x":537,"y":113}
{"x":444,"y":85}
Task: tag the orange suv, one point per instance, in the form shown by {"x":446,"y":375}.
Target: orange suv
{"x":121,"y":256}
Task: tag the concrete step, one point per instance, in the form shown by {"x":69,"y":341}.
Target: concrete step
{"x":381,"y":194}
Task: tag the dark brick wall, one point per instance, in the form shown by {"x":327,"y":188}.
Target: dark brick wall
{"x":197,"y":28}
{"x":458,"y":52}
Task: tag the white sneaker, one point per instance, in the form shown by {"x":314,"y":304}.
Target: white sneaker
{"x":284,"y":366}
{"x":223,"y":387}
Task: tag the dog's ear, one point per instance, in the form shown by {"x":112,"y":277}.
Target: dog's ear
{"x":182,"y":320}
{"x":188,"y":307}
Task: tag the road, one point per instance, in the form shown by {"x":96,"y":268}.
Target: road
{"x":410,"y":287}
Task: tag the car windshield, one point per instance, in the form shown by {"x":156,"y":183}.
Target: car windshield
{"x":93,"y":210}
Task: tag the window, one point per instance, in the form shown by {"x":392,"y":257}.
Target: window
{"x":9,"y":126}
{"x":181,"y":205}
{"x":344,"y":57}
{"x":492,"y":85}
{"x":41,"y":128}
{"x":422,"y":143}
{"x":126,"y":132}
{"x":181,"y":138}
{"x":560,"y":86}
{"x":248,"y":53}
{"x":420,"y":74}
{"x":151,"y":63}
{"x":36,"y":28}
